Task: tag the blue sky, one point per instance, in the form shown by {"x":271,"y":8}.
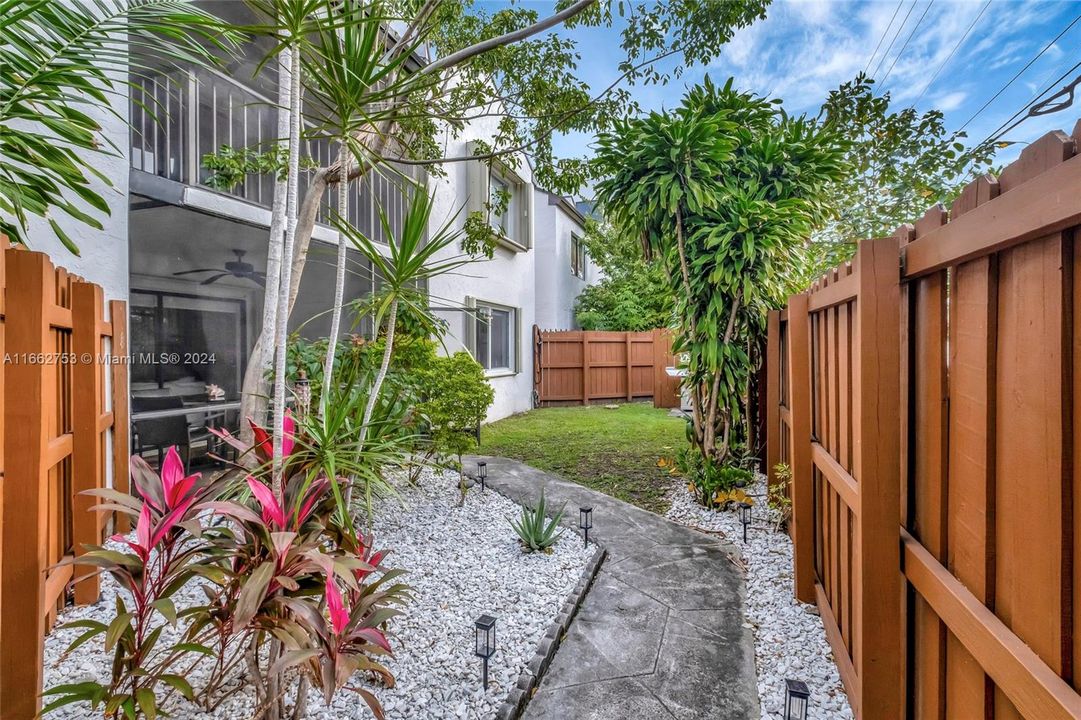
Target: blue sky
{"x":805,"y":48}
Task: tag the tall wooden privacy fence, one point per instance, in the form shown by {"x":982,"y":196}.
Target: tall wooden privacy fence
{"x":924,"y":397}
{"x":63,"y":410}
{"x":573,"y":367}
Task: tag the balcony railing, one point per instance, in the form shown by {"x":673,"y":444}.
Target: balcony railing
{"x":178,"y":117}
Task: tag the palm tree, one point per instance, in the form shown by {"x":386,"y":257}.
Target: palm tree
{"x":62,"y":61}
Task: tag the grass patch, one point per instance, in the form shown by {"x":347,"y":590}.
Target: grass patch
{"x":613,"y":451}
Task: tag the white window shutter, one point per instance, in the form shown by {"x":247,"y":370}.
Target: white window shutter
{"x":477,"y":183}
{"x":469,"y":332}
{"x":526,"y":221}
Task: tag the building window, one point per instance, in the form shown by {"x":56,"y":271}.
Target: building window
{"x":578,"y":257}
{"x":499,"y":191}
{"x":495,"y":337}
{"x":505,"y":198}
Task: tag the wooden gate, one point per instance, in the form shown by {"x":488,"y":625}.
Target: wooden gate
{"x":935,"y":444}
{"x":56,"y":417}
{"x":576,"y":367}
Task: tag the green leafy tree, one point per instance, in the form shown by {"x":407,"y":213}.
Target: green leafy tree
{"x":722,"y":193}
{"x":900,"y":161}
{"x":634,"y":295}
{"x":503,"y":66}
{"x":457,"y":397}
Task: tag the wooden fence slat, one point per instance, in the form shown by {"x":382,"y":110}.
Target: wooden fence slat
{"x":878,"y":590}
{"x":799,"y":384}
{"x":31,"y":287}
{"x":88,"y":452}
{"x":118,"y":314}
{"x":773,"y":400}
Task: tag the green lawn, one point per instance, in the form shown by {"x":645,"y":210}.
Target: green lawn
{"x":614,"y":451}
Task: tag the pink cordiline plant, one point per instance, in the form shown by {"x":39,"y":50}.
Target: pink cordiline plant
{"x":292,"y":593}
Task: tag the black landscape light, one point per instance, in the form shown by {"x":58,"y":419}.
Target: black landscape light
{"x":482,"y":474}
{"x":745,"y":517}
{"x":795,"y":700}
{"x":585,"y":522}
{"x":485,"y":626}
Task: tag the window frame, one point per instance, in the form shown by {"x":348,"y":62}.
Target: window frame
{"x":483,"y":308}
{"x":578,"y":257}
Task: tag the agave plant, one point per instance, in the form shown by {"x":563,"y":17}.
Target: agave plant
{"x":536,"y":531}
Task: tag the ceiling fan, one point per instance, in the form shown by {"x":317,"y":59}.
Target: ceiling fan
{"x":234,"y":268}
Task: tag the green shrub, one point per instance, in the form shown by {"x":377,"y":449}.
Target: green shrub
{"x":456,"y":396}
{"x":778,"y":498}
{"x":714,"y":486}
{"x":536,"y":531}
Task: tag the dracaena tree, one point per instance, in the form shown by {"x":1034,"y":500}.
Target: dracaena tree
{"x":722,"y":193}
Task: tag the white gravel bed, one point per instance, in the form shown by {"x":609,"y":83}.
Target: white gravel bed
{"x":462,"y":563}
{"x":789,"y":640}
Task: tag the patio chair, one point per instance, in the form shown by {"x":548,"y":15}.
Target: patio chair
{"x":161,"y":433}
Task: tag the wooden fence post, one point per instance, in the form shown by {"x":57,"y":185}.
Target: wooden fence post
{"x":88,"y":452}
{"x":799,"y":389}
{"x":877,"y":457}
{"x":118,"y":318}
{"x":772,"y":365}
{"x":31,"y":286}
{"x":630,"y":367}
{"x":585,"y":367}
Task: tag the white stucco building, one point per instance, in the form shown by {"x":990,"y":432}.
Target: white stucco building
{"x":166,"y":245}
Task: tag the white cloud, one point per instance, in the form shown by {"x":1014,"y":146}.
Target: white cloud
{"x":950,"y":101}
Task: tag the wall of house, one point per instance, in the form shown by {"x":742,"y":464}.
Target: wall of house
{"x":557,"y":287}
{"x":506,"y":279}
{"x":103,"y":254}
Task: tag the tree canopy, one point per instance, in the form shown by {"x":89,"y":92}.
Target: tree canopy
{"x":633,"y":294}
{"x":722,"y":192}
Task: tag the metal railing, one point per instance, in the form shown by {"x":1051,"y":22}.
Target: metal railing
{"x":180,"y":116}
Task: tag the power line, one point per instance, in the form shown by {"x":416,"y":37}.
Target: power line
{"x":1043,"y":107}
{"x":901,"y":52}
{"x":952,"y":53}
{"x":1018,"y":74}
{"x":900,"y":28}
{"x":883,"y":36}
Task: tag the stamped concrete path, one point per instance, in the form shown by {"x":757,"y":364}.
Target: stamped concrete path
{"x":660,"y":634}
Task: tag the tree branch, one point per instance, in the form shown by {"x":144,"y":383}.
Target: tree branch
{"x":505,"y":39}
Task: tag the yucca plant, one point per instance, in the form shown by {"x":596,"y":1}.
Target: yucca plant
{"x":536,"y":531}
{"x":413,"y":258}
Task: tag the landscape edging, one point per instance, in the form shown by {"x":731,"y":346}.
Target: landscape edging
{"x":515,"y":704}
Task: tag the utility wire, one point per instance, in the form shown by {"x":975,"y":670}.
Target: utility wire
{"x":901,"y":27}
{"x":952,"y":53}
{"x":1018,"y":74}
{"x":1035,"y":108}
{"x":883,"y":36}
{"x":901,"y":52}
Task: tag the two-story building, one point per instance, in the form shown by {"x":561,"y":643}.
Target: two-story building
{"x":190,"y":259}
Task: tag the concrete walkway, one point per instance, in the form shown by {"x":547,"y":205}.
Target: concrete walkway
{"x":660,"y":634}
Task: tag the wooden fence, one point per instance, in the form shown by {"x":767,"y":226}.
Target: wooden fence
{"x":63,"y":409}
{"x":573,"y":367}
{"x":924,"y":398}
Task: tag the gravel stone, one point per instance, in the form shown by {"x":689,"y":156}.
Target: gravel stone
{"x":462,"y":562}
{"x":789,"y":639}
